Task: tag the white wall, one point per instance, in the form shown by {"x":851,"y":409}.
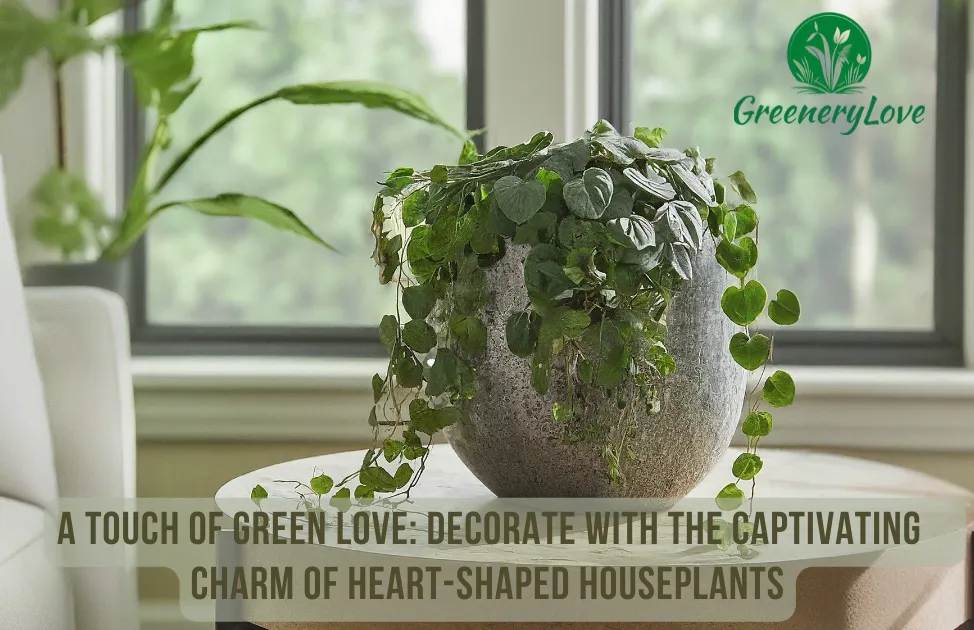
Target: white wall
{"x":27,"y":138}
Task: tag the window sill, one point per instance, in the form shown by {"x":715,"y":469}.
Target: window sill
{"x":327,"y":400}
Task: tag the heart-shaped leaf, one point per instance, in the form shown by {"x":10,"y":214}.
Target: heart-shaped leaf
{"x":744,"y":305}
{"x":785,"y":309}
{"x":414,"y":208}
{"x":589,"y":196}
{"x":750,"y":352}
{"x":691,"y":181}
{"x":743,"y":187}
{"x":747,"y":466}
{"x":521,"y":334}
{"x":518,"y":199}
{"x":730,"y":498}
{"x":620,"y":206}
{"x":747,"y":220}
{"x":737,"y":259}
{"x":779,"y":390}
{"x":636,"y":232}
{"x":730,"y":226}
{"x":650,"y":137}
{"x":419,"y":300}
{"x":322,"y":484}
{"x":652,"y":183}
{"x":758,"y":424}
{"x":471,"y":333}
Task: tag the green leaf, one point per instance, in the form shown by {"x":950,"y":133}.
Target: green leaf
{"x":258,"y":493}
{"x":623,"y":150}
{"x":174,"y":99}
{"x":544,"y":274}
{"x":443,"y":374}
{"x":419,"y":300}
{"x":743,"y":187}
{"x":650,"y":137}
{"x":322,"y":484}
{"x":469,"y":154}
{"x":785,"y":309}
{"x":720,"y":193}
{"x":521,"y":334}
{"x":750,"y":352}
{"x":423,"y":419}
{"x":561,"y":413}
{"x":541,"y":228}
{"x":471,"y":333}
{"x":636,"y":232}
{"x":341,"y":500}
{"x":747,"y":220}
{"x":744,"y":305}
{"x":694,"y":184}
{"x":378,"y":479}
{"x":403,"y":475}
{"x":440,"y":174}
{"x":414,"y":208}
{"x":364,"y":493}
{"x":159,"y":62}
{"x":747,"y":466}
{"x":419,"y":335}
{"x":735,"y":258}
{"x":589,"y":196}
{"x":779,"y":390}
{"x":389,"y":333}
{"x":651,"y":182}
{"x":680,"y":260}
{"x":518,"y":199}
{"x":370,"y":94}
{"x":541,"y":371}
{"x":408,"y":370}
{"x":378,"y":385}
{"x":620,"y":206}
{"x":758,"y":424}
{"x":249,"y":207}
{"x":391,"y":449}
{"x":730,"y":498}
{"x":470,"y":292}
{"x":730,"y":226}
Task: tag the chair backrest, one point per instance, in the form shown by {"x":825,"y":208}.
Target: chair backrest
{"x":27,"y":470}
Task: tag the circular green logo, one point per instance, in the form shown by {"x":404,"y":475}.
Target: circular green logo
{"x":829,"y":53}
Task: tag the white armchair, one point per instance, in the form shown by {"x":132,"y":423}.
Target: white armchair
{"x":66,"y":429}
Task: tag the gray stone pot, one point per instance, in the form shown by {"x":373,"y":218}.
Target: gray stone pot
{"x":513,"y":444}
{"x":100,"y":274}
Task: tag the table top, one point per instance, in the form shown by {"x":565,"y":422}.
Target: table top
{"x":788,"y":474}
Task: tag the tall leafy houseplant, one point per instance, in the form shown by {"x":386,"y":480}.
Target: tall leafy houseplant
{"x":70,"y":218}
{"x":614,"y":224}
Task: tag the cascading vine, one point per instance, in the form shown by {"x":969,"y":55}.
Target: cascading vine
{"x":613,"y":224}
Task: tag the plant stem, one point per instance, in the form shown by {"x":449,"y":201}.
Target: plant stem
{"x":62,"y":157}
{"x":184,"y":157}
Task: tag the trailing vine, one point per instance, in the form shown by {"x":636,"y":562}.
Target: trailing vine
{"x":613,"y":224}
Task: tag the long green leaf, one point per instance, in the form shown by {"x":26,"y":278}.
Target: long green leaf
{"x":250,"y":207}
{"x":225,"y":205}
{"x":366,"y":93}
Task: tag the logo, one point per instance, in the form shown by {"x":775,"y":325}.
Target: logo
{"x":829,"y":54}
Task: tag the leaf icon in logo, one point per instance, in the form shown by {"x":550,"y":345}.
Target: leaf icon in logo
{"x":815,"y":24}
{"x":860,"y":59}
{"x":840,"y":37}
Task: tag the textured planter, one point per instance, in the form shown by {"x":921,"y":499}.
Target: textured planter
{"x":99,"y":274}
{"x":513,"y":444}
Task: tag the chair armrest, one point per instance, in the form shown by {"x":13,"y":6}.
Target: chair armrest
{"x":81,"y":340}
{"x":82,"y":346}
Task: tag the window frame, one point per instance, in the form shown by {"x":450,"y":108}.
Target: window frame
{"x":150,"y":339}
{"x":944,"y":345}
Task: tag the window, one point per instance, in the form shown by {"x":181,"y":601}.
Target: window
{"x":865,"y":227}
{"x":200,"y":280}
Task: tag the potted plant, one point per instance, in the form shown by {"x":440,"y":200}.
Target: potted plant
{"x":577,"y":319}
{"x":68,"y":217}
